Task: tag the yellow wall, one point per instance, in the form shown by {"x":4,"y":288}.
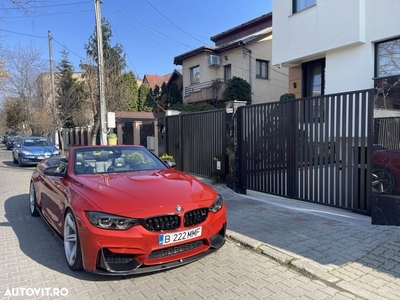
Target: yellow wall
{"x":295,"y":81}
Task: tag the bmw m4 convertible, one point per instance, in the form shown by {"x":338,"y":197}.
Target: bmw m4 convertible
{"x":121,"y":210}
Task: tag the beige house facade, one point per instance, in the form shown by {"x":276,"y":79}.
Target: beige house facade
{"x":45,"y":91}
{"x":244,"y":51}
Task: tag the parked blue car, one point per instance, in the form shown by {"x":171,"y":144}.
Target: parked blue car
{"x":33,"y":149}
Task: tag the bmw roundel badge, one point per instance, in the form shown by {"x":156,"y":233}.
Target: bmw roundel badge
{"x":179,"y":209}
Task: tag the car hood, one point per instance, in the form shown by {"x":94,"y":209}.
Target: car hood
{"x":40,"y":150}
{"x":136,"y":191}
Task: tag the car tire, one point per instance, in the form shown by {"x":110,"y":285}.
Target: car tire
{"x":32,"y":201}
{"x":382,"y":181}
{"x":72,"y":246}
{"x":20,"y":163}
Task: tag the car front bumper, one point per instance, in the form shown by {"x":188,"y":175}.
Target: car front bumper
{"x":137,"y":251}
{"x":32,"y":159}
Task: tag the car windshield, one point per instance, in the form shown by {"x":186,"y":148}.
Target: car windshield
{"x":37,"y":142}
{"x":115,"y":160}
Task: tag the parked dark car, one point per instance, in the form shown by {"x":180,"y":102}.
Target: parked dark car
{"x":11,"y":142}
{"x":10,"y":136}
{"x":33,"y":149}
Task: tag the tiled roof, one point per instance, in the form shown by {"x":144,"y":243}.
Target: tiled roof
{"x":153,"y":80}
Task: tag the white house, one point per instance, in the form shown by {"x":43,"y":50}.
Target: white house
{"x":334,"y":46}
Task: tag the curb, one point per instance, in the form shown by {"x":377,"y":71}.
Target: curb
{"x":303,"y":266}
{"x":283,"y":258}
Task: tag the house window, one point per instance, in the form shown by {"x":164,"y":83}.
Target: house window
{"x":313,"y":86}
{"x":261,"y":69}
{"x":314,"y":78}
{"x":299,"y":5}
{"x":195,"y":75}
{"x":387,"y":59}
{"x":227,"y":72}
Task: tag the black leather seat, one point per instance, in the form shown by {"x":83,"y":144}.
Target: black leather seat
{"x":118,"y":164}
{"x":103,"y":163}
{"x":81,"y":167}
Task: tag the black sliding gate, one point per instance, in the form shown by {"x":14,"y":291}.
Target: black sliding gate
{"x":193,"y":139}
{"x":315,"y":149}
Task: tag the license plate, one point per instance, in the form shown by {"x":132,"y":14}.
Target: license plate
{"x":40,"y":157}
{"x":166,"y":239}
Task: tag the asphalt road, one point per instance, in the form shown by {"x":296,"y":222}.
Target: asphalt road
{"x":33,"y":265}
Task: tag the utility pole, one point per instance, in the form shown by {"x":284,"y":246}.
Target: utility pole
{"x":53,"y":89}
{"x":103,"y":127}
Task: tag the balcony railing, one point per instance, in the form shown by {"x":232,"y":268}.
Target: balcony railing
{"x":205,"y":91}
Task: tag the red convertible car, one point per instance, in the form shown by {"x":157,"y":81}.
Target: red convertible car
{"x":386,"y":171}
{"x":121,"y":210}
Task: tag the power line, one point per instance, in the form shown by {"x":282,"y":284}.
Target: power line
{"x":46,"y":6}
{"x":23,"y":18}
{"x":174,"y":23}
{"x":68,"y":49}
{"x":26,"y":34}
{"x":255,"y":59}
{"x":125,"y":53}
{"x":43,"y":37}
{"x":153,"y":30}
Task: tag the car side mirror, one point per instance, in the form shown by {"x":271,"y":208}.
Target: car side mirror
{"x":170,"y":164}
{"x":58,"y":171}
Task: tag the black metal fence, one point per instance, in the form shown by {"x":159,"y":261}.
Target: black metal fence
{"x":264,"y":146}
{"x":193,"y":139}
{"x":316,"y":149}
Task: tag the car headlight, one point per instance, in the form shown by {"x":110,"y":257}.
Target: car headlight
{"x":218,"y":204}
{"x":26,"y":152}
{"x":56,"y":152}
{"x":106,"y":221}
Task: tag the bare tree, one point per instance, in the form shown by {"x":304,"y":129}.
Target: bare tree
{"x":3,"y":76}
{"x":3,"y":73}
{"x":26,"y":6}
{"x":24,"y":65}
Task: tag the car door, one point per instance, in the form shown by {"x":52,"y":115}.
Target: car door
{"x":53,"y":196}
{"x":17,"y":148}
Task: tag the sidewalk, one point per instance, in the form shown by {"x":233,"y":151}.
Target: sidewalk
{"x":335,"y":245}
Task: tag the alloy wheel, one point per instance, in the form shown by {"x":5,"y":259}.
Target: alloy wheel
{"x":70,"y":239}
{"x":382,"y":181}
{"x":32,"y":201}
